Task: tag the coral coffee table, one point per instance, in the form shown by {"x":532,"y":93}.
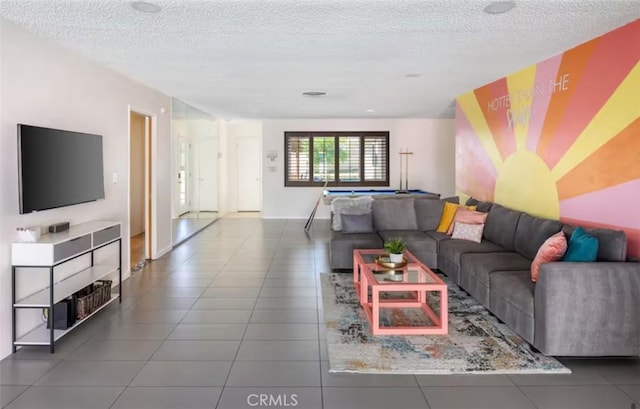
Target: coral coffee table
{"x":371,"y":279}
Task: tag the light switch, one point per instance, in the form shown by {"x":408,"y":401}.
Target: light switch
{"x":114,"y":177}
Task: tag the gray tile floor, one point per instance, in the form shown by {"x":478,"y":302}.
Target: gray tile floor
{"x":232,"y":319}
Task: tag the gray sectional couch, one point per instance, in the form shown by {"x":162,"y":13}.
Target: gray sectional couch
{"x":575,"y":309}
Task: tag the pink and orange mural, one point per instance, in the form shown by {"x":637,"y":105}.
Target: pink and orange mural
{"x":560,"y":139}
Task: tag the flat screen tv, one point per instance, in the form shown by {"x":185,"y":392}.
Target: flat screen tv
{"x":58,"y":168}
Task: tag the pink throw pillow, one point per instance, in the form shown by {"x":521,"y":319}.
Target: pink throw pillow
{"x":551,"y":250}
{"x":468,"y":217}
{"x":467,"y":231}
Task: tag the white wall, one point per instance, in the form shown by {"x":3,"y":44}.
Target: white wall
{"x":44,"y":84}
{"x":431,"y":167}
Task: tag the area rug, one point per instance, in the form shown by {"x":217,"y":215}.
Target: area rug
{"x":477,"y":342}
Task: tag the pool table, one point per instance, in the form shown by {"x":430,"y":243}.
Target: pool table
{"x":330,"y":194}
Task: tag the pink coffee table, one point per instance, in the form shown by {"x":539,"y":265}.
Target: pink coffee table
{"x":416,"y":279}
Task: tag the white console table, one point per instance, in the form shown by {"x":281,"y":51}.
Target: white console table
{"x":52,"y":250}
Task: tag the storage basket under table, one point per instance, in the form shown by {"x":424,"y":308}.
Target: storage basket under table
{"x":92,"y":297}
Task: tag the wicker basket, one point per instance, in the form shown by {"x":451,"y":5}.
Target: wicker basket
{"x":92,"y":297}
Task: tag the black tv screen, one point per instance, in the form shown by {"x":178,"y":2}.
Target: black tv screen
{"x":58,"y":168}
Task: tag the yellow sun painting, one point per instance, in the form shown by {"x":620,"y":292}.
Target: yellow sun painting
{"x":560,"y":139}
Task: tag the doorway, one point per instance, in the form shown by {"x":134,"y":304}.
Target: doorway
{"x":249,"y":176}
{"x":140,"y":193}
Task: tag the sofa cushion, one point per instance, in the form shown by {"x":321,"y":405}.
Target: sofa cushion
{"x":417,"y":241}
{"x":515,"y":287}
{"x":438,"y":237}
{"x":512,"y":300}
{"x":372,"y":240}
{"x":394,"y":214}
{"x":501,"y":225}
{"x":342,"y":245}
{"x":483,"y":207}
{"x":612,"y":244}
{"x":532,"y":232}
{"x":481,"y":264}
{"x":428,"y":213}
{"x":449,"y":252}
{"x":472,"y":202}
{"x":357,"y":223}
{"x":476,"y":268}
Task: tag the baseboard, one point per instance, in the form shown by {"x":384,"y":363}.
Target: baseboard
{"x":163,"y":252}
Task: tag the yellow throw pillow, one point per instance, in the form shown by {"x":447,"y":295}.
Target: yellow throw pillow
{"x":448,"y":214}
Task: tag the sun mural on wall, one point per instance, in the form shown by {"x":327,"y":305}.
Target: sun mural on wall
{"x":560,"y":139}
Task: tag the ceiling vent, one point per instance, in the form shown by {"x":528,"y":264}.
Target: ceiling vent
{"x":145,"y":7}
{"x":499,"y":7}
{"x":314,"y":93}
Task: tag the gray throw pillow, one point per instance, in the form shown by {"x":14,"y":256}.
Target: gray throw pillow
{"x":357,"y":223}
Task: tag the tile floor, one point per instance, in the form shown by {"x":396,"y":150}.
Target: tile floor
{"x":232,"y":319}
{"x":189,"y":224}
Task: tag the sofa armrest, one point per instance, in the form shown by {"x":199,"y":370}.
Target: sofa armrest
{"x":588,"y":309}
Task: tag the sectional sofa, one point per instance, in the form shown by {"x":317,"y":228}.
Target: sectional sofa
{"x":574,"y":309}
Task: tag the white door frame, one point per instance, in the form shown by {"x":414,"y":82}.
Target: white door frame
{"x":150,"y":183}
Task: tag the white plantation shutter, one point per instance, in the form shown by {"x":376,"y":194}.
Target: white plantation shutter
{"x":376,"y":163}
{"x":298,"y":156}
{"x":324,"y":165}
{"x":349,"y":158}
{"x":343,"y":158}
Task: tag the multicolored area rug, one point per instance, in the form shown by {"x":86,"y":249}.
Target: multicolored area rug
{"x":477,"y":342}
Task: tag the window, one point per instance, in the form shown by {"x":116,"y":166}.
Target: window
{"x":342,"y":158}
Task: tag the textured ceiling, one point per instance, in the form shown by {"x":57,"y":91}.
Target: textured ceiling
{"x":254,"y":58}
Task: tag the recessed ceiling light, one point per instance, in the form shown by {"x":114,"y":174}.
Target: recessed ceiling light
{"x":314,"y":93}
{"x":499,"y":7}
{"x":413,"y":75}
{"x":369,"y":110}
{"x":145,"y":7}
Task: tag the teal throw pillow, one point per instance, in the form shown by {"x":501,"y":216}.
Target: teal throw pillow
{"x":582,"y":247}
